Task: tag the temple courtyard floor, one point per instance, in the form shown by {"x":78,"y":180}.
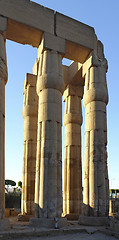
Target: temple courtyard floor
{"x":22,"y":230}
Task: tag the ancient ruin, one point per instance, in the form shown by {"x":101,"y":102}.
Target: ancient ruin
{"x":57,"y":36}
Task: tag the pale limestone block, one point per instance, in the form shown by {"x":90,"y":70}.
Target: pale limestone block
{"x":51,"y":42}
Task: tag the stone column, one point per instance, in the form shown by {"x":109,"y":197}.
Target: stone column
{"x":3,"y":80}
{"x":50,"y":87}
{"x":96,"y":184}
{"x":30,"y":115}
{"x":72,"y":192}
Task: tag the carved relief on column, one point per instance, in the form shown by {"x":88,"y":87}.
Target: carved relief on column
{"x":50,"y":86}
{"x":72,"y":192}
{"x":30,"y":115}
{"x":95,"y":99}
{"x":3,"y":80}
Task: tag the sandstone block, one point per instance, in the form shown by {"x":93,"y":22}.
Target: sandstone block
{"x":50,"y":111}
{"x":75,"y":31}
{"x":72,"y":139}
{"x":73,"y":91}
{"x":23,"y":13}
{"x":4,"y":224}
{"x":48,"y":223}
{"x":35,"y":67}
{"x":51,"y":42}
{"x":75,"y":128}
{"x":3,"y":24}
{"x":95,"y":106}
{"x":50,"y":96}
{"x":93,"y":221}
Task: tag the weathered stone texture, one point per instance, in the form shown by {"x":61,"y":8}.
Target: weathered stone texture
{"x":30,"y":115}
{"x":95,"y":167}
{"x":72,"y":192}
{"x":50,"y":86}
{"x":3,"y":80}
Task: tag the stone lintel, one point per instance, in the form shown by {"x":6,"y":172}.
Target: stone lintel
{"x":30,"y":80}
{"x":73,"y":74}
{"x":3,"y":25}
{"x":76,"y":52}
{"x":28,"y":13}
{"x":23,"y":34}
{"x":80,"y":38}
{"x":73,"y":91}
{"x":27,"y":21}
{"x":51,"y":42}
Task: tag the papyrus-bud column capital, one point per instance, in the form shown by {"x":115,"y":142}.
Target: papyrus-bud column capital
{"x":72,"y":191}
{"x":95,"y":99}
{"x":30,"y":115}
{"x":50,"y":87}
{"x":3,"y":80}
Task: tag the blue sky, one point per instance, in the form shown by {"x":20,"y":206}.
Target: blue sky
{"x":104,"y":17}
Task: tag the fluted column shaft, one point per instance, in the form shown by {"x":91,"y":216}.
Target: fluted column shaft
{"x":96,"y":183}
{"x":72,"y":191}
{"x":50,"y":86}
{"x":30,"y":115}
{"x":3,"y":80}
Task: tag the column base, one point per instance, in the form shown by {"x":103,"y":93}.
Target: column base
{"x":4,"y":224}
{"x":72,"y":216}
{"x":48,"y":223}
{"x":93,"y":221}
{"x":24,"y":217}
